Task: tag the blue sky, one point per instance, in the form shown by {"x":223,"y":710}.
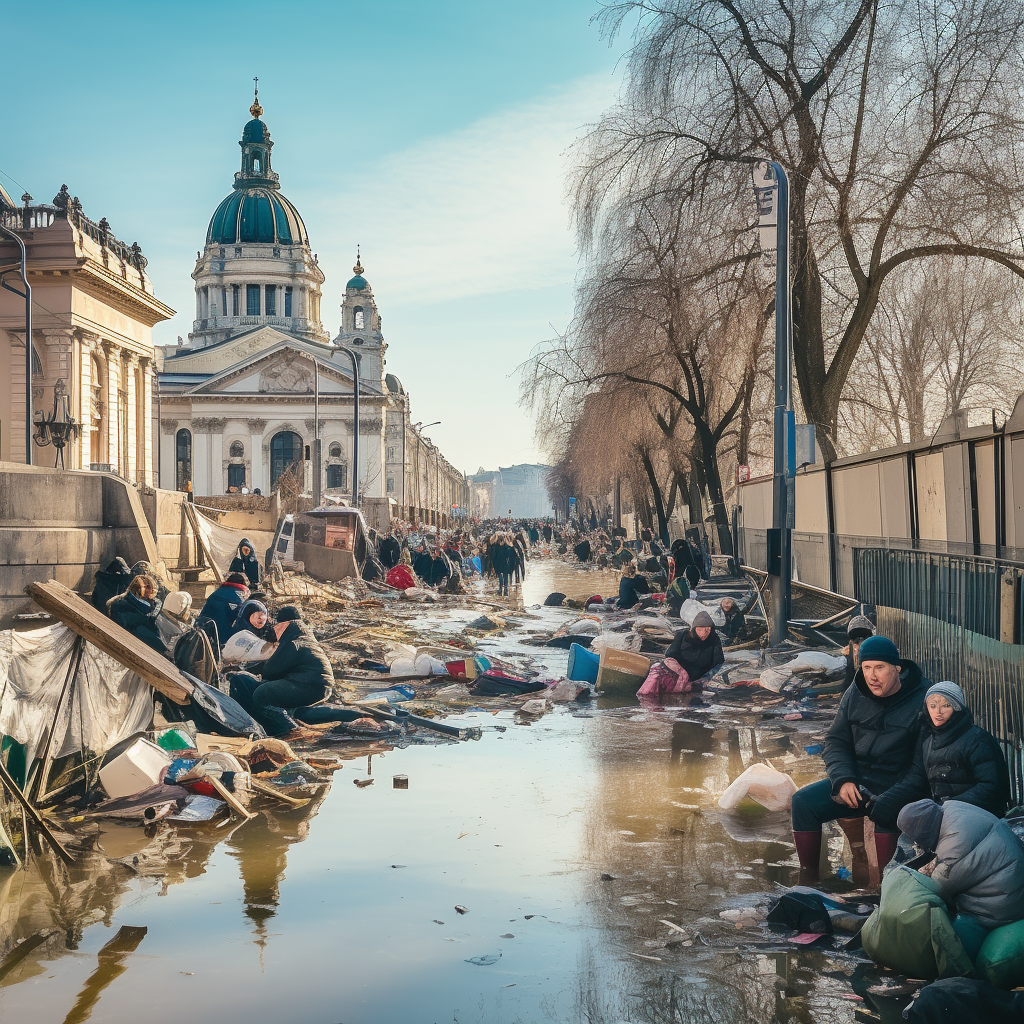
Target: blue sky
{"x":433,"y":133}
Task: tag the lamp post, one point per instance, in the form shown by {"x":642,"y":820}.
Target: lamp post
{"x":60,"y":427}
{"x":355,"y":423}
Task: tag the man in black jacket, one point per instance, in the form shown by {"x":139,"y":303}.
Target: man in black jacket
{"x":296,"y":675}
{"x":868,"y":750}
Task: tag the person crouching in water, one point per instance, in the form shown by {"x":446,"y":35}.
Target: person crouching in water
{"x":868,"y":749}
{"x":955,"y":760}
{"x":296,"y":675}
{"x":693,"y":654}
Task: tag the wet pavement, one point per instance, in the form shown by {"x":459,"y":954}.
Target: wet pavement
{"x":568,"y":842}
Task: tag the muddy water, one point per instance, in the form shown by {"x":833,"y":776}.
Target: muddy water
{"x":568,"y":840}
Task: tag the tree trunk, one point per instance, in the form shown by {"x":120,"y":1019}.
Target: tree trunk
{"x":659,"y":503}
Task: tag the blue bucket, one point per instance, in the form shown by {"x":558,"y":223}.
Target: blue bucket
{"x":583,"y":664}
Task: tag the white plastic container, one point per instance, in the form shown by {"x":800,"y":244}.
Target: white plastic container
{"x":142,"y":765}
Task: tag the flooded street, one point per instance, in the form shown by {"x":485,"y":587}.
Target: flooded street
{"x":566,"y":842}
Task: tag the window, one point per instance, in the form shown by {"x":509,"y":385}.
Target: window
{"x":337,"y":477}
{"x":234,"y":300}
{"x":252,"y":300}
{"x":357,"y":341}
{"x":358,"y":319}
{"x":287,"y":302}
{"x":286,"y":449}
{"x":224,"y":301}
{"x":237,"y":450}
{"x":391,"y":485}
{"x":271,"y":307}
{"x":182,"y":458}
{"x":236,"y":475}
{"x":334,"y":452}
{"x":256,"y":163}
{"x":391,"y":454}
{"x":238,"y":250}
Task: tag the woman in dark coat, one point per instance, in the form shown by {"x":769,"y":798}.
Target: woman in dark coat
{"x":955,"y":760}
{"x":505,"y":560}
{"x":246,"y":562}
{"x":697,"y":649}
{"x":734,"y":619}
{"x":631,"y":587}
{"x":390,"y":551}
{"x":137,"y":611}
{"x":254,"y":617}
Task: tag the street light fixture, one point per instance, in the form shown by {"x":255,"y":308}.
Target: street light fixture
{"x":60,"y":427}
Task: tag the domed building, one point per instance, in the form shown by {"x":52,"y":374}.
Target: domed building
{"x":237,"y":399}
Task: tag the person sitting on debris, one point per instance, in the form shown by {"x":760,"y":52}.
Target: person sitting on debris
{"x":955,"y":760}
{"x":247,"y":562}
{"x":631,"y":587}
{"x":423,"y":563}
{"x":734,"y":619}
{"x":868,"y":748}
{"x":859,"y":629}
{"x":137,"y":611}
{"x":676,"y":595}
{"x":979,"y":861}
{"x":254,"y":617}
{"x":110,"y":583}
{"x":222,"y":606}
{"x":698,"y":649}
{"x":296,"y":675}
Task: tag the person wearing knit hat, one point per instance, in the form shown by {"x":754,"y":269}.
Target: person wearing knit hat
{"x":289,"y":613}
{"x":867,"y":750}
{"x":858,"y":630}
{"x":697,"y":650}
{"x":955,"y":759}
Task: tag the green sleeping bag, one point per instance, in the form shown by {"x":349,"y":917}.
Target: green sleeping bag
{"x":911,"y":930}
{"x":1001,"y":959}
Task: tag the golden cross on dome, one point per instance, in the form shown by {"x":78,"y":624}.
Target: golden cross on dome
{"x":256,"y":110}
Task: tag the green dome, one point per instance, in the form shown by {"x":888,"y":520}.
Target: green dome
{"x":255,"y":131}
{"x":358,"y":282}
{"x":256,"y":215}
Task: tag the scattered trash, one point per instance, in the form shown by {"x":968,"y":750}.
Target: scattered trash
{"x":400,"y":782}
{"x":484,"y":961}
{"x":459,"y":909}
{"x":362,"y":783}
{"x":772,"y":789}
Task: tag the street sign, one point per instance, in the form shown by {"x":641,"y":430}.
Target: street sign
{"x":766,"y":196}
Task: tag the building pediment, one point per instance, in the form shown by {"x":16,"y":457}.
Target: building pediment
{"x":284,"y":369}
{"x":216,"y":358}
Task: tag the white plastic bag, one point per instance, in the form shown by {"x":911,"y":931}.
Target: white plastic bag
{"x":691,"y":607}
{"x":772,"y":789}
{"x":775,"y":678}
{"x":817,"y":661}
{"x":396,"y":651}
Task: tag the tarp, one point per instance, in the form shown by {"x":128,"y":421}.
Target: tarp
{"x":223,"y":541}
{"x":109,"y":702}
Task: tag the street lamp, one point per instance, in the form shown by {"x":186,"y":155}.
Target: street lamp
{"x":60,"y":427}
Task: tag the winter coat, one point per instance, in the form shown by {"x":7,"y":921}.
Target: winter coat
{"x":110,"y":583}
{"x":734,"y":622}
{"x":872,"y":740}
{"x":630,"y":589}
{"x":583,"y":551}
{"x":957,"y":761}
{"x":422,"y":565}
{"x":980,"y":863}
{"x":697,"y":656}
{"x":390,"y":551}
{"x":249,"y":564}
{"x":504,"y":558}
{"x":242,"y":623}
{"x":300,"y":659}
{"x":139,"y":618}
{"x":222,"y":608}
{"x":400,"y":577}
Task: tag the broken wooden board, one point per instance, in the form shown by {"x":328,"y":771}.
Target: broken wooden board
{"x":90,"y":623}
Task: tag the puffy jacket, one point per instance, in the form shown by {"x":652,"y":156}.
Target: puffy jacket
{"x":957,"y":761}
{"x":299,"y":658}
{"x":697,"y":656}
{"x":390,"y":551}
{"x":222,"y":608}
{"x":249,"y":564}
{"x":872,"y":740}
{"x":980,"y":863}
{"x":139,"y":618}
{"x":504,"y":558}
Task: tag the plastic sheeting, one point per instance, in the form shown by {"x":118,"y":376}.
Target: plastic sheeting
{"x":108,"y":702}
{"x":223,"y":541}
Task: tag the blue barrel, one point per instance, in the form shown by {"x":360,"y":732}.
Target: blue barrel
{"x":583,"y":664}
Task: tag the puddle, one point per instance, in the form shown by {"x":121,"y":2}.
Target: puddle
{"x":565,"y":844}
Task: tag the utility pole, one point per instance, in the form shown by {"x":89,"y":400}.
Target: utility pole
{"x":771,"y":190}
{"x":27,"y":295}
{"x":355,"y":422}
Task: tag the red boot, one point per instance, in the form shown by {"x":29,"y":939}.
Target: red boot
{"x":808,"y":851}
{"x":885,"y":847}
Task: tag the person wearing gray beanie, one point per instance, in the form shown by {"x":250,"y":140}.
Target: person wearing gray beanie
{"x":858,"y":630}
{"x":698,"y":649}
{"x":955,"y":759}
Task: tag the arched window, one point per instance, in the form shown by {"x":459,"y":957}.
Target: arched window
{"x":37,"y":364}
{"x":358,"y":319}
{"x":182,"y":458}
{"x":357,"y":341}
{"x":337,"y":477}
{"x":237,"y":450}
{"x":286,"y":449}
{"x":334,"y":452}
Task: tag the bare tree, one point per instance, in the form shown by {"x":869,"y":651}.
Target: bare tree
{"x":899,"y":124}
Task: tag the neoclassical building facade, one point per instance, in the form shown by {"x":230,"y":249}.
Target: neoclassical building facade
{"x":259,"y":378}
{"x":93,"y":316}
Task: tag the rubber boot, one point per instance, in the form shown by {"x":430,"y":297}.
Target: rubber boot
{"x":885,"y":847}
{"x":808,"y":851}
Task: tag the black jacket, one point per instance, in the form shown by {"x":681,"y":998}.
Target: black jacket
{"x":697,"y":656}
{"x":242,"y":623}
{"x":390,"y":551}
{"x":734,"y":622}
{"x":504,"y":558}
{"x":249,"y":564}
{"x":630,"y":589}
{"x":110,"y":583}
{"x":957,"y":761}
{"x":222,"y":608}
{"x":872,"y":740}
{"x":300,"y":659}
{"x":583,"y":550}
{"x":139,"y":618}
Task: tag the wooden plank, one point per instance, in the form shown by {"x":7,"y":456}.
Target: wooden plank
{"x":229,"y":798}
{"x":112,"y":639}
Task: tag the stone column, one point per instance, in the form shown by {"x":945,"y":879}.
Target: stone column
{"x":167,"y":454}
{"x":113,"y":403}
{"x":128,"y":386}
{"x":217,"y":455}
{"x":257,"y":477}
{"x":201,"y":471}
{"x":147,"y":449}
